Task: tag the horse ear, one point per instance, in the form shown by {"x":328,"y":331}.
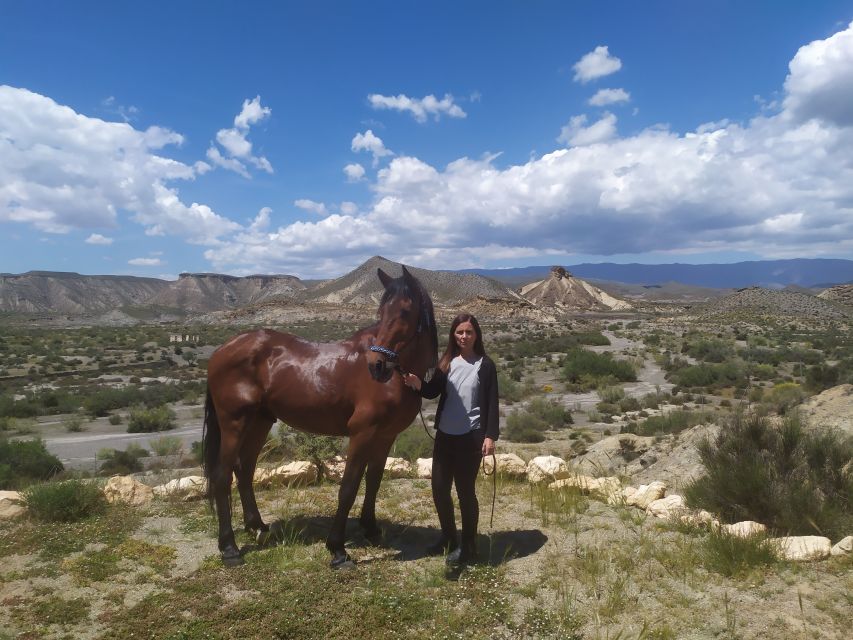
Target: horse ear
{"x":410,"y":279}
{"x":384,"y":278}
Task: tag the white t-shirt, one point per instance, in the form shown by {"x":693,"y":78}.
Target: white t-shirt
{"x":461,"y":411}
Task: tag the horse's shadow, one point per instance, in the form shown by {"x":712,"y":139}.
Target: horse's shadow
{"x":407,"y":540}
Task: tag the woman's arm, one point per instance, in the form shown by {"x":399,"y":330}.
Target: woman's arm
{"x":431,"y":389}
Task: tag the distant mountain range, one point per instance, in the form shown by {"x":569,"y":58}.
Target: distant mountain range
{"x":773,"y":274}
{"x":46,"y":292}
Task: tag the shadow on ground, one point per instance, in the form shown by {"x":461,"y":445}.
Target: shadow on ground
{"x":408,"y":541}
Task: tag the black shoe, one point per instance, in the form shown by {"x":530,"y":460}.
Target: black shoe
{"x":441,"y":547}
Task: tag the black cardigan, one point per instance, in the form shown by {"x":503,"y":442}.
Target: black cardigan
{"x":488,"y":383}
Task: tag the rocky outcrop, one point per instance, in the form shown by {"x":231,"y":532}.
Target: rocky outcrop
{"x":560,"y":289}
{"x":292,"y":474}
{"x":744,"y":529}
{"x":186,"y":488}
{"x":127,"y":490}
{"x":397,"y":468}
{"x":644,"y":495}
{"x":509,"y":465}
{"x":11,"y":505}
{"x":801,"y":548}
{"x":546,"y":469}
{"x":832,"y":408}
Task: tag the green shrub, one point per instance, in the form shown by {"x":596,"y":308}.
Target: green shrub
{"x":580,"y":363}
{"x":510,"y":390}
{"x":166,"y":445}
{"x":413,"y":443}
{"x":522,"y":426}
{"x":308,"y":446}
{"x":145,"y":420}
{"x":708,"y":350}
{"x":672,"y":422}
{"x":26,"y":461}
{"x":554,"y":414}
{"x":792,"y":479}
{"x":115,"y":419}
{"x":611,"y":394}
{"x":629,"y":404}
{"x":710,"y":375}
{"x":73,"y":424}
{"x":125,"y":462}
{"x":785,"y":396}
{"x":67,"y":501}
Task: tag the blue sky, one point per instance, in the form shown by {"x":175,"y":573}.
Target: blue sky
{"x":161,"y":137}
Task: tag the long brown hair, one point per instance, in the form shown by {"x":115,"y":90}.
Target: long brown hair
{"x":452,"y":349}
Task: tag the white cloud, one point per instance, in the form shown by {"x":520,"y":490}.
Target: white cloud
{"x":349,"y":208}
{"x":261,"y":222}
{"x":419,"y":108}
{"x":235,"y":142}
{"x":60,"y":170}
{"x":577,"y":134}
{"x":370,"y":142}
{"x":820,"y":80}
{"x":314,"y":207}
{"x":97,"y":238}
{"x":354,"y":172}
{"x":596,"y":64}
{"x":145,"y":262}
{"x":604,"y":97}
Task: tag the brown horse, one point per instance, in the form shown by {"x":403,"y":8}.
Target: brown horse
{"x":346,"y":388}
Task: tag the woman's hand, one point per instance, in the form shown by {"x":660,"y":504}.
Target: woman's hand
{"x":412,"y":381}
{"x":488,"y":446}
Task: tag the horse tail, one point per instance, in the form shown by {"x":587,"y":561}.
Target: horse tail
{"x":211,"y":438}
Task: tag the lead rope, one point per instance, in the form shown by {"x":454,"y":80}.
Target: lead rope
{"x":494,"y":472}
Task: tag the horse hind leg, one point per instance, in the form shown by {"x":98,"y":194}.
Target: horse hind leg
{"x":220,"y":480}
{"x":256,"y":436}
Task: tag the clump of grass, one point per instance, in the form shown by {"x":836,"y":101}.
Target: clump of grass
{"x":413,"y":443}
{"x":580,"y":363}
{"x":672,"y":422}
{"x":794,"y":480}
{"x":117,"y":462}
{"x":73,"y":424}
{"x":731,"y":555}
{"x":67,"y":501}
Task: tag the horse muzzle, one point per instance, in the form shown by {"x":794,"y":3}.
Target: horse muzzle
{"x":381,"y":370}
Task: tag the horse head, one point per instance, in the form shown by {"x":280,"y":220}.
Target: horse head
{"x":401,"y":319}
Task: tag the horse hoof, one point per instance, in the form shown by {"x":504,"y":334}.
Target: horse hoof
{"x":232,"y":559}
{"x":266,"y":539}
{"x":343,"y":562}
{"x":374,"y":537}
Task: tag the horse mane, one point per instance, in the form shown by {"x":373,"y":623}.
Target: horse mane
{"x":426,"y":320}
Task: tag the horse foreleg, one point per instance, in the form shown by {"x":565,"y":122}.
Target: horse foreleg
{"x":251,"y":448}
{"x":353,"y":472}
{"x":375,"y":469}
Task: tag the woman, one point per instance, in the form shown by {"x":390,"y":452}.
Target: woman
{"x":467,"y":425}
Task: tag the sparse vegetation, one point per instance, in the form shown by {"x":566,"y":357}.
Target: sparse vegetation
{"x":147,"y":420}
{"x":66,"y":501}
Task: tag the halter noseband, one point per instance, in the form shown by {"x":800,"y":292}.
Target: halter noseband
{"x":385,"y":351}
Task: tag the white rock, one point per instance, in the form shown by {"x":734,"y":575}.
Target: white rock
{"x":745,"y":529}
{"x":11,"y":505}
{"x":802,"y":548}
{"x":607,"y":487}
{"x":334,"y":469}
{"x":127,"y":490}
{"x":842,"y":547}
{"x":188,"y":488}
{"x":698,"y":518}
{"x":509,"y":465}
{"x":398,"y":468}
{"x":646,"y":494}
{"x":546,"y":469}
{"x":667,"y":507}
{"x":424,"y":467}
{"x":292,"y":474}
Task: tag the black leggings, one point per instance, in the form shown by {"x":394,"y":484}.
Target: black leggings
{"x":457,"y":459}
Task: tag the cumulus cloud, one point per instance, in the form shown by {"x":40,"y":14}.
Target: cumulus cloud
{"x":596,"y":64}
{"x":145,"y":262}
{"x":97,"y":238}
{"x":604,"y":97}
{"x":820,"y":80}
{"x":61,"y":170}
{"x":235,"y":142}
{"x":577,"y":134}
{"x":420,"y":108}
{"x":315,"y":207}
{"x":370,"y":142}
{"x":354,"y":172}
